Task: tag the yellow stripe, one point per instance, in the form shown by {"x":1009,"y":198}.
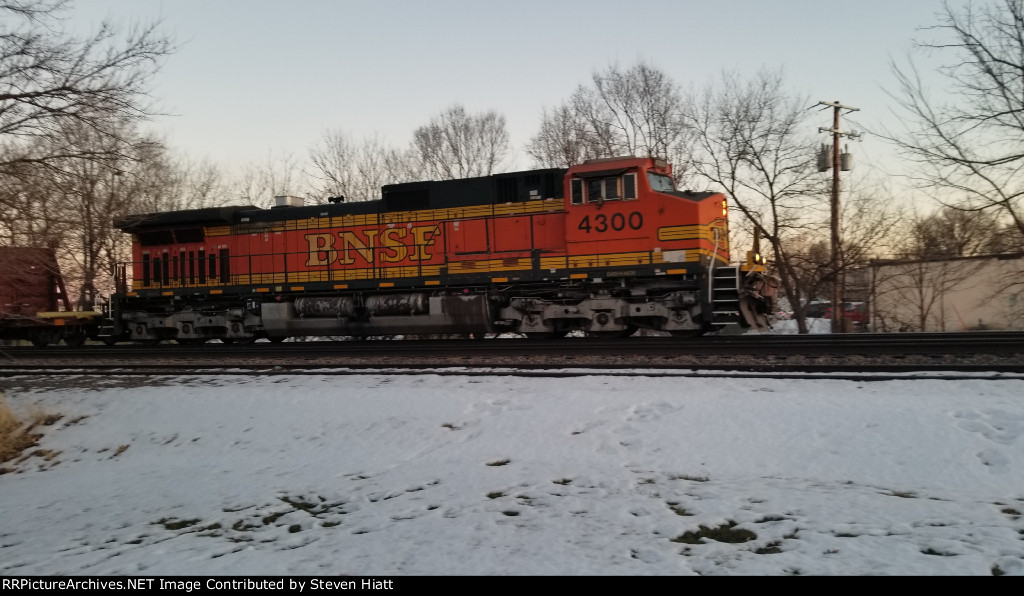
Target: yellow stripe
{"x":398,"y":217}
{"x":685,"y":233}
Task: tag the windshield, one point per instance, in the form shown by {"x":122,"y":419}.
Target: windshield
{"x":660,"y":182}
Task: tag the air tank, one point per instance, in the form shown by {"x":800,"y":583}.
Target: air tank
{"x":376,"y":305}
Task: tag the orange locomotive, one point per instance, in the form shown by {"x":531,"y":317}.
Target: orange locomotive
{"x":606,"y":248}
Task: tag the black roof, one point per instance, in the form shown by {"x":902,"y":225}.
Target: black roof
{"x":189,"y":217}
{"x":408,"y":196}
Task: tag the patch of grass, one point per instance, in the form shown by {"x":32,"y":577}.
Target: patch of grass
{"x":241,"y":526}
{"x":18,"y":435}
{"x":177,"y":524}
{"x":689,"y":477}
{"x":678,"y":509}
{"x":723,"y":533}
{"x":772,"y":548}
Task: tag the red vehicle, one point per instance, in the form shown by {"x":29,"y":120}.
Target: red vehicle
{"x":34,"y":305}
{"x":857,"y":312}
{"x":606,"y":247}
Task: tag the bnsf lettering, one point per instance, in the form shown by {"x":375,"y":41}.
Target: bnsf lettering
{"x":396,"y":245}
{"x":617,"y":222}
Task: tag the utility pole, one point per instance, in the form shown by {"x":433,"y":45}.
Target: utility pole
{"x":837,"y":276}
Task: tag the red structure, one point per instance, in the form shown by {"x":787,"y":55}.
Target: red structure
{"x":34,"y":305}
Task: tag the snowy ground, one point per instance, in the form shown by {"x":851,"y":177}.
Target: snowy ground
{"x":390,"y":475}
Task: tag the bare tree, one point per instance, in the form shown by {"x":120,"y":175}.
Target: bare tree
{"x":1006,"y":239}
{"x":51,"y":83}
{"x":456,"y":144}
{"x":71,"y":203}
{"x":355,"y":171}
{"x":751,"y":140}
{"x":562,"y":140}
{"x":810,"y":263}
{"x":952,"y":232}
{"x":869,"y":219}
{"x":967,"y":142}
{"x":278,"y":175}
{"x":623,"y":112}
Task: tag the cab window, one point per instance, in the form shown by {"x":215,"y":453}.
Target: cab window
{"x":629,"y":187}
{"x":577,"y":191}
{"x":603,"y":189}
{"x":611,"y":189}
{"x":597,"y":190}
{"x":660,"y":182}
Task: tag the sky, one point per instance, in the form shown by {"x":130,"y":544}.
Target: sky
{"x":255,"y":80}
{"x":607,"y":474}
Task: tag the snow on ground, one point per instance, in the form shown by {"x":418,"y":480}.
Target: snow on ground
{"x":404,"y":475}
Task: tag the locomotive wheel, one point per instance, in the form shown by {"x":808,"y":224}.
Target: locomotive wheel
{"x":41,"y":339}
{"x":540,"y":335}
{"x":546,"y":334}
{"x":612,"y":334}
{"x":75,"y":339}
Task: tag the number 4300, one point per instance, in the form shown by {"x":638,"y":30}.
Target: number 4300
{"x":617,"y":222}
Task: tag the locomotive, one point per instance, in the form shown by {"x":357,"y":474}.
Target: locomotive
{"x":605,"y":248}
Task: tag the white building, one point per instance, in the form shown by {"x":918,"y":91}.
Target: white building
{"x":959,"y":294}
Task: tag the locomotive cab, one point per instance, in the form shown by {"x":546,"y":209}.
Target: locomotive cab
{"x":660,"y":255}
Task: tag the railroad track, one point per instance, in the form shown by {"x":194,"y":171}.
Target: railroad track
{"x":848,"y":354}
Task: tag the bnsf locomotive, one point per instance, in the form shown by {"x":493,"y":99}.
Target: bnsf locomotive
{"x":604,"y":248}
